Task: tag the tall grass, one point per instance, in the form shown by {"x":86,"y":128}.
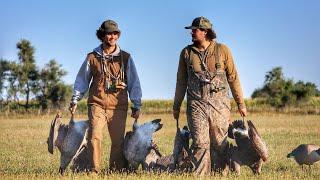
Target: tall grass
{"x":165,"y":106}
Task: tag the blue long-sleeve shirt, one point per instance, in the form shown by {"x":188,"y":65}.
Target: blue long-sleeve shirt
{"x":84,"y":77}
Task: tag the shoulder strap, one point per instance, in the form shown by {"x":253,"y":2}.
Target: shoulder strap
{"x":122,"y":66}
{"x":189,"y":61}
{"x":217,"y":56}
{"x":99,"y":58}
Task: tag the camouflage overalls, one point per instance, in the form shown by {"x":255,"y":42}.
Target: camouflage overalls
{"x":208,"y":111}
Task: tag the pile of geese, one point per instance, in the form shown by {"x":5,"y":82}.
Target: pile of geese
{"x":140,"y":149}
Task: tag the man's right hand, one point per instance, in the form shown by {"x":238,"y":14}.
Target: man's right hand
{"x":176,"y":114}
{"x":72,"y":108}
{"x":135,"y":113}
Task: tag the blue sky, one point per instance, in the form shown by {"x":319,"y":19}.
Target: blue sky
{"x":261,"y":35}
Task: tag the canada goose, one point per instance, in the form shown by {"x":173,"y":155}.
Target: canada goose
{"x":305,"y":154}
{"x":153,"y":157}
{"x":181,"y":151}
{"x":138,"y":142}
{"x":251,"y":150}
{"x":179,"y":160}
{"x":70,"y":141}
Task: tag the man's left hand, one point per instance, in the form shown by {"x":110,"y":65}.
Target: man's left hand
{"x":243,"y":112}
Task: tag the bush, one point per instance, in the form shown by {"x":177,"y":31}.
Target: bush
{"x":281,"y":92}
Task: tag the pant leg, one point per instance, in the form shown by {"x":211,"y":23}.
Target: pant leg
{"x":219,"y":117}
{"x":199,"y":128}
{"x":97,"y":121}
{"x":116,"y":127}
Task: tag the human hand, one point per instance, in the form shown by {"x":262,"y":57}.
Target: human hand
{"x":243,"y":112}
{"x":135,"y":113}
{"x":176,"y":114}
{"x":72,"y":107}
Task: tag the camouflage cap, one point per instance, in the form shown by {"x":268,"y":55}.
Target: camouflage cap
{"x":109,"y":26}
{"x":200,"y":23}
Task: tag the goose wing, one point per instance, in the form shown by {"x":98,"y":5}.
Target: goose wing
{"x":258,"y":144}
{"x":128,"y":151}
{"x":53,"y":134}
{"x":75,"y":137}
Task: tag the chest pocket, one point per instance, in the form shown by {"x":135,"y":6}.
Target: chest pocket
{"x":211,"y":63}
{"x":96,"y":68}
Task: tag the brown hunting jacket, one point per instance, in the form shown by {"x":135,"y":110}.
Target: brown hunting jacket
{"x":100,"y":73}
{"x":97,"y":94}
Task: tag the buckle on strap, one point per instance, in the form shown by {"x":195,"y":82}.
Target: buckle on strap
{"x":217,"y":89}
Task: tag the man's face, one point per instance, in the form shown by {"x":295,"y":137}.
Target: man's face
{"x":198,"y":35}
{"x":111,"y":38}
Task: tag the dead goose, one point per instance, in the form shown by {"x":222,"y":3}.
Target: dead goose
{"x":181,"y":151}
{"x":251,"y":150}
{"x":138,"y":142}
{"x":179,"y":160}
{"x":70,"y":141}
{"x":306,"y":154}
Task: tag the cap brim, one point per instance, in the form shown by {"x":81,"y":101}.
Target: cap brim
{"x":190,"y":27}
{"x":112,"y":30}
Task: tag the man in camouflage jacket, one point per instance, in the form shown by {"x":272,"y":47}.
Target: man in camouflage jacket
{"x":206,"y":71}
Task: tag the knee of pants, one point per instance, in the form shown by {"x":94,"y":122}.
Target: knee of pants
{"x":95,"y":135}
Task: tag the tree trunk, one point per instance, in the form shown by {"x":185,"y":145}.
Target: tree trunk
{"x":27,"y":99}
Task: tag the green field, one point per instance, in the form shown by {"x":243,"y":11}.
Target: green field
{"x":24,"y":155}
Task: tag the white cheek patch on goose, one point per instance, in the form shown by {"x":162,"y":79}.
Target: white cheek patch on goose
{"x":243,"y":132}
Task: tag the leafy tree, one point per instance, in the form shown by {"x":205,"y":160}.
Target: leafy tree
{"x":60,"y":94}
{"x":27,"y":71}
{"x":273,"y":85}
{"x":22,"y":80}
{"x":305,"y":90}
{"x":280,"y":91}
{"x":51,"y":86}
{"x":275,"y":75}
{"x":9,"y":72}
{"x":4,"y":67}
{"x":13,"y":82}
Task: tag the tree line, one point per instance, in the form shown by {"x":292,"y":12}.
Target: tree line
{"x":26,"y":85}
{"x":279,"y":91}
{"x":23,"y":84}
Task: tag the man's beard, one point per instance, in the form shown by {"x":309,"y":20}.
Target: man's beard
{"x":193,"y":39}
{"x":195,"y":42}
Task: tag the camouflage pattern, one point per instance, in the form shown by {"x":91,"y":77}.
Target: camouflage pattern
{"x":200,"y":23}
{"x":208,"y":113}
{"x":184,"y":77}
